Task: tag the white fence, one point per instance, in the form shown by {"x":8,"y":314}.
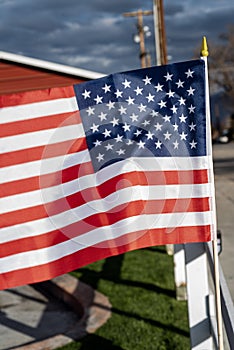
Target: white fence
{"x":194,"y":278}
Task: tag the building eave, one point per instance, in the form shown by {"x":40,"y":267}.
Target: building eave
{"x":56,"y":67}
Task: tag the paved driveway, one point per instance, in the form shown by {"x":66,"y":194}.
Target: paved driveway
{"x":224,"y":185}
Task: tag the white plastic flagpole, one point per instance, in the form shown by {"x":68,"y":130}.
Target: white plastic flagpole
{"x":204,"y":55}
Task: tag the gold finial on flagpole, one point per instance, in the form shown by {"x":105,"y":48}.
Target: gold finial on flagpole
{"x":204,"y":48}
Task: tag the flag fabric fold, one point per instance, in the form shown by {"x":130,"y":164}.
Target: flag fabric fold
{"x":100,"y":168}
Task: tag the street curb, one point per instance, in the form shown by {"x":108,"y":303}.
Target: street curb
{"x":93,"y":308}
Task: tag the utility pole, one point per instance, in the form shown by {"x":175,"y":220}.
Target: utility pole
{"x":160,"y":33}
{"x":139,"y":14}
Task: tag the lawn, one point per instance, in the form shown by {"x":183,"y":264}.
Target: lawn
{"x":145,"y":312}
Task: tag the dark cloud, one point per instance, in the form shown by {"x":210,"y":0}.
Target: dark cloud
{"x":94,"y":35}
{"x":172,"y":9}
{"x":185,"y":31}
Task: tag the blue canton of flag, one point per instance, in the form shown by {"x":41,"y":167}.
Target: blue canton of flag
{"x":158,"y":111}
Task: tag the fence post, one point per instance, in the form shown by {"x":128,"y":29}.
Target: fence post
{"x":201,"y":301}
{"x":179,"y":272}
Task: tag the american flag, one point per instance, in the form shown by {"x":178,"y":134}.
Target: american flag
{"x":101,"y":168}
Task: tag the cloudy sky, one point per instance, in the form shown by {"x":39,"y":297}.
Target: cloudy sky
{"x":94,"y":34}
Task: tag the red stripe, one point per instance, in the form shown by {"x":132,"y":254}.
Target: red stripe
{"x":172,"y":177}
{"x":47,"y":180}
{"x":62,"y":205}
{"x":85,"y":196}
{"x":110,"y":217}
{"x":77,"y":171}
{"x":91,"y":254}
{"x":38,"y":124}
{"x":47,"y":151}
{"x":36,"y":96}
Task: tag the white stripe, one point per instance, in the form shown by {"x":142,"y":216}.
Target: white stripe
{"x":42,"y":167}
{"x":146,"y":164}
{"x":41,"y":138}
{"x":142,"y":222}
{"x":170,"y":163}
{"x":37,"y":168}
{"x":142,"y":165}
{"x":38,"y":109}
{"x":80,"y":213}
{"x":128,"y":195}
{"x":48,"y":195}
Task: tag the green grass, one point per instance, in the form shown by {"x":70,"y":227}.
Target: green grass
{"x":145,"y":313}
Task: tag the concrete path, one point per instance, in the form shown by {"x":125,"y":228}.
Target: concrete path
{"x":28,"y":315}
{"x":50,"y":314}
{"x":223,"y":155}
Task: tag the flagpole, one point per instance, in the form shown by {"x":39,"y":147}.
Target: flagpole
{"x":204,"y":55}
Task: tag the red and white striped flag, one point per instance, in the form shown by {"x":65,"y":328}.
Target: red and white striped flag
{"x":101,"y":168}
